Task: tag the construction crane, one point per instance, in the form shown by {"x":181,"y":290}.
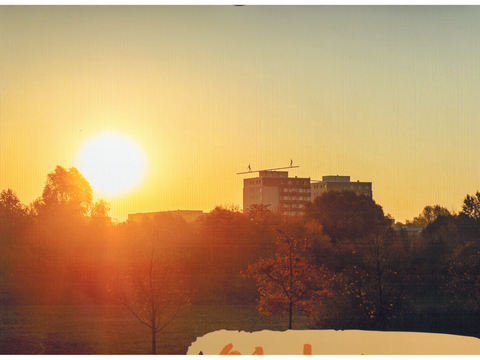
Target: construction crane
{"x":280,"y":168}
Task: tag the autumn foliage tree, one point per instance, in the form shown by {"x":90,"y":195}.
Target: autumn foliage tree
{"x":288,"y":283}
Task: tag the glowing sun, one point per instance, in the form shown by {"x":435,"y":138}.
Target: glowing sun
{"x":111,"y":162}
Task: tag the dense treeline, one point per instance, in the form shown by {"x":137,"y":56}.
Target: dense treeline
{"x":63,"y":249}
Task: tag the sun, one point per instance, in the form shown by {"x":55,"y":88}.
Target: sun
{"x":111,"y":162}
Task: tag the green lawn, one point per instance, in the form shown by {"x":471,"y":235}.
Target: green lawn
{"x":113,"y":330}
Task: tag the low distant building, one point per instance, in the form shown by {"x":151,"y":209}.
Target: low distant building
{"x":187,"y":215}
{"x":286,"y":194}
{"x":408,"y":229}
{"x":335,"y":182}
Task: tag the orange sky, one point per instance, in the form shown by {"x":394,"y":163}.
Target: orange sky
{"x":383,"y":94}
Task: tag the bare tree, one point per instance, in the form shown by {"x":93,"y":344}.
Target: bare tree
{"x":153,"y":293}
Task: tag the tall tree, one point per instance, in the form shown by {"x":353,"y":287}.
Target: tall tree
{"x":429,"y":215}
{"x":288,"y":284}
{"x":386,"y":277}
{"x":345,"y":215}
{"x":66,"y":194}
{"x":471,"y":206}
{"x":13,"y":221}
{"x":464,"y":275}
{"x":11,"y":204}
{"x":154,"y":292}
{"x":100,"y":209}
{"x":66,"y":247}
{"x":12,"y":214}
{"x":226,"y":244}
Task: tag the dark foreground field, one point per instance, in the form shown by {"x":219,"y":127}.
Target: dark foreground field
{"x":113,"y":330}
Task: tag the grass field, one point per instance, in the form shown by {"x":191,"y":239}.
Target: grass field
{"x":113,"y":330}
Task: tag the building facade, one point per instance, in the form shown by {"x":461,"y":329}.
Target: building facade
{"x":285,"y":194}
{"x":335,"y":182}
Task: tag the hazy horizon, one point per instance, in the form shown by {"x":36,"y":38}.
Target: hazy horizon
{"x":383,"y":94}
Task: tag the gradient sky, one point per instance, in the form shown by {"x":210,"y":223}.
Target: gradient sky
{"x":384,"y":94}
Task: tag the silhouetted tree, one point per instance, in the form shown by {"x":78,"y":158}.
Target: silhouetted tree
{"x":153,"y":292}
{"x":13,"y":215}
{"x":387,"y":276}
{"x":10,"y":204}
{"x":429,"y":215}
{"x":471,"y":206}
{"x":100,"y":209}
{"x":66,"y":194}
{"x":65,"y":247}
{"x":464,"y":275}
{"x":346,"y":215}
{"x":13,"y":222}
{"x":370,"y":291}
{"x":226,"y":244}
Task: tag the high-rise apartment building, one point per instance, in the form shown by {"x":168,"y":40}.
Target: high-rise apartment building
{"x":335,"y":182}
{"x":289,"y":195}
{"x":286,"y":194}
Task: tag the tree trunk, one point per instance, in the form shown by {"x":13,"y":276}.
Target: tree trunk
{"x":290,"y":316}
{"x":154,"y":341}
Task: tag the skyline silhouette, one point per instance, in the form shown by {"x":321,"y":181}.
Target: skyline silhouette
{"x":386,"y":94}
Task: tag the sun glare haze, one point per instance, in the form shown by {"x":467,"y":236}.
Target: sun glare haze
{"x":387,"y":95}
{"x":169,"y":172}
{"x":112,"y":163}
